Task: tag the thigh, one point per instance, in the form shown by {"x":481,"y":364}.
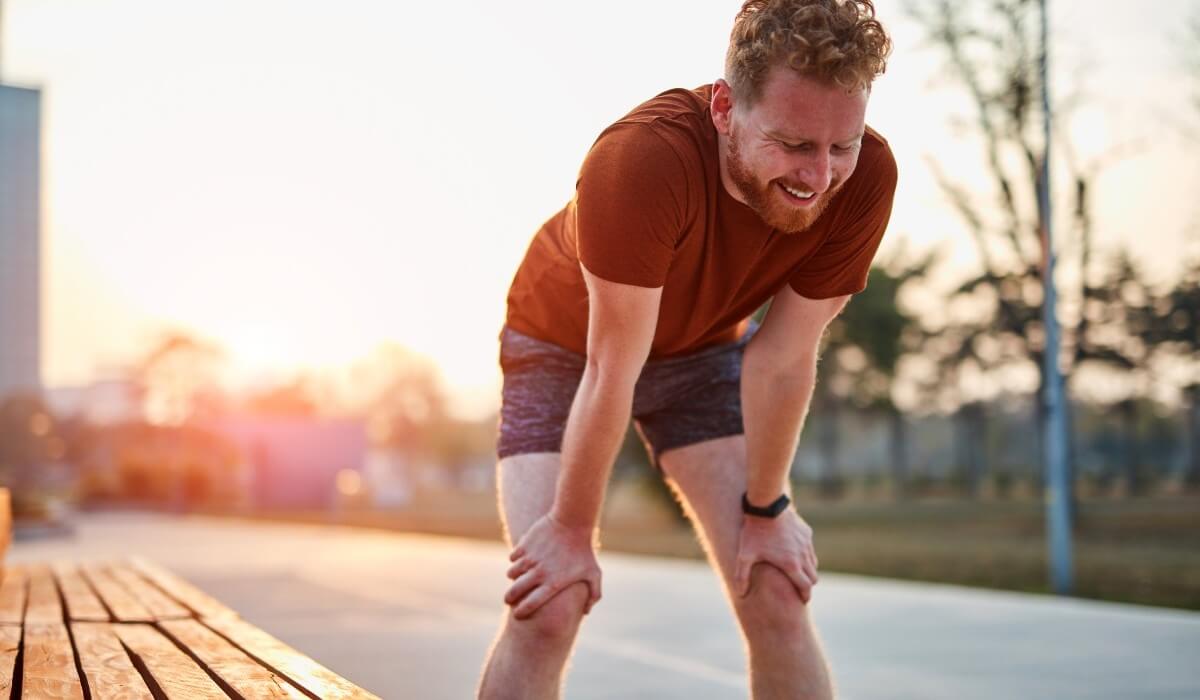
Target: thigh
{"x":710,"y":478}
{"x":525,"y":485}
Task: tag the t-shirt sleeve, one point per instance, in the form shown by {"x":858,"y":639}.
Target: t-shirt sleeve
{"x":841,"y":265}
{"x":630,"y":205}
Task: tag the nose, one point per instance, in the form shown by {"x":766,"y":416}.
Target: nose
{"x":816,"y":171}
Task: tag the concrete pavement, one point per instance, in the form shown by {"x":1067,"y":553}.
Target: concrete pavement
{"x":411,"y":616}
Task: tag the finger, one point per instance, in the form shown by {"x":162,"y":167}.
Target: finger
{"x":810,"y":571}
{"x":534,"y":601}
{"x":808,"y":562}
{"x":519,"y":568}
{"x":516,"y":554}
{"x":741,"y":577}
{"x":594,"y":597}
{"x":521,"y":588}
{"x":801,"y":582}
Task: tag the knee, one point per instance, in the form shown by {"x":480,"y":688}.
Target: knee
{"x":557,"y":621}
{"x":773,"y":609}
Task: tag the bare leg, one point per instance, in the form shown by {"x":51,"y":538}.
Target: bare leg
{"x":529,"y":656}
{"x":786,"y":659}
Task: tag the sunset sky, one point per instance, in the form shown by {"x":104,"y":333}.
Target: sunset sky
{"x":299,"y":182}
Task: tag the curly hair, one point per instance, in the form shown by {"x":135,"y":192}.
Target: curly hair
{"x":836,"y":41}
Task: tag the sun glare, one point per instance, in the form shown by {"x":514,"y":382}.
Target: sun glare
{"x":254,"y":351}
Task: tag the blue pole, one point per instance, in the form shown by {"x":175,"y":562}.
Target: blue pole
{"x":1057,"y":483}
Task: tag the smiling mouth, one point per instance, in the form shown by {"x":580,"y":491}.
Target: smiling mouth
{"x":798,"y":196}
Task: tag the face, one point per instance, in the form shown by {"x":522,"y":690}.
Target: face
{"x":787,"y":154}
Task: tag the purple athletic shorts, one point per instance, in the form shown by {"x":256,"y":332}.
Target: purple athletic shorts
{"x":677,"y":401}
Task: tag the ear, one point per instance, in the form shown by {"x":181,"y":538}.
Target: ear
{"x":721,"y":106}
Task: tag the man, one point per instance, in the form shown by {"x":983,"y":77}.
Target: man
{"x":689,"y":214}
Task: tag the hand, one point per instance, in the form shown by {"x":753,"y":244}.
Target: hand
{"x":784,"y":542}
{"x":550,"y":557}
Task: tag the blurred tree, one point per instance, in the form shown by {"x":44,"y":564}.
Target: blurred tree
{"x":1172,"y":329}
{"x":32,"y":454}
{"x":992,"y":52}
{"x":403,"y":394}
{"x":1176,"y":329}
{"x":178,"y":379}
{"x":863,"y":347}
{"x":1192,"y":430}
{"x":1112,"y":333}
{"x":27,"y":430}
{"x":867,"y":341}
{"x":294,"y":398}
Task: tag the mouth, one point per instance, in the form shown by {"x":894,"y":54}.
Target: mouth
{"x":797,"y":196}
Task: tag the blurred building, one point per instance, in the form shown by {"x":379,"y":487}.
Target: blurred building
{"x":387,"y":478}
{"x":102,"y":402}
{"x":20,"y":219}
{"x":294,"y":461}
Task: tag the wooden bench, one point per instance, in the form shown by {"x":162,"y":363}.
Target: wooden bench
{"x":132,"y":629}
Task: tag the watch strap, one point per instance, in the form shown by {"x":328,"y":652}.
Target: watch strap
{"x":770,"y":511}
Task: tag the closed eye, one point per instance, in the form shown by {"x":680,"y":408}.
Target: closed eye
{"x":806,"y":146}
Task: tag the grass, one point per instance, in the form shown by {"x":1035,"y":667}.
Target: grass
{"x":1142,"y":550}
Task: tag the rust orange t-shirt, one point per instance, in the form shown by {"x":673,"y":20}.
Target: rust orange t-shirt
{"x":650,"y":210}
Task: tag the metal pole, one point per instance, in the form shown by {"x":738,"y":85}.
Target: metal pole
{"x":1057,"y":484}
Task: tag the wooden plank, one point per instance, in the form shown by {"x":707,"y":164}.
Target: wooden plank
{"x":12,"y":595}
{"x":10,"y":644}
{"x":202,"y":604}
{"x":242,"y":673}
{"x":293,"y":665}
{"x":110,"y":673}
{"x":45,"y":607}
{"x":173,"y":671}
{"x":124,"y":607}
{"x":5,"y":521}
{"x":82,"y":603}
{"x":155,"y":601}
{"x":48,"y":665}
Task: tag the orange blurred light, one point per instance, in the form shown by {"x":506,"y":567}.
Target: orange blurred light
{"x":39,"y":424}
{"x":349,"y":482}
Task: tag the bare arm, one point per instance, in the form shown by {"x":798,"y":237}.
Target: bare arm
{"x":557,"y":550}
{"x":621,"y":322}
{"x":779,"y":371}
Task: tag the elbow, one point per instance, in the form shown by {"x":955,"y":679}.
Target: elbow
{"x":606,"y":382}
{"x":779,"y":367}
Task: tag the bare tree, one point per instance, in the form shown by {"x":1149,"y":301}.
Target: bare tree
{"x":992,"y":53}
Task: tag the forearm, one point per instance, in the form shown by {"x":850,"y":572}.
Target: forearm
{"x":774,"y":404}
{"x":595,"y":428}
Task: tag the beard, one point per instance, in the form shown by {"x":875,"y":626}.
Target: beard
{"x":764,"y":199}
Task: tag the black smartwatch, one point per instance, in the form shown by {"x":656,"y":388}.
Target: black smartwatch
{"x":777,"y":506}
